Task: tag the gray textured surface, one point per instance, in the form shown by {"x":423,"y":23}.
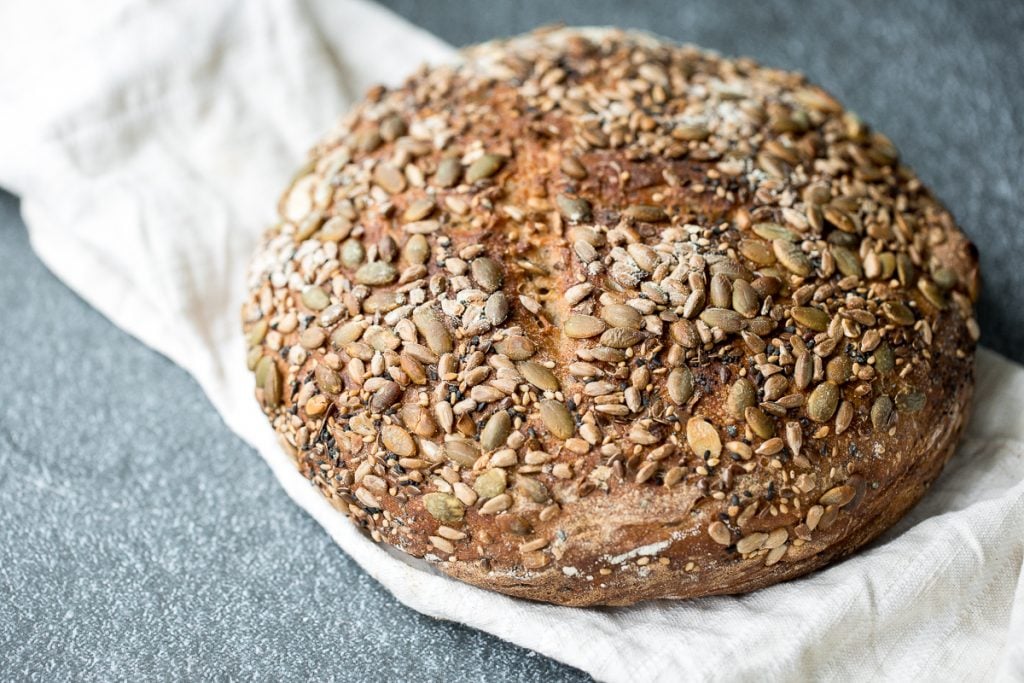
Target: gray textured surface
{"x":140,"y":539}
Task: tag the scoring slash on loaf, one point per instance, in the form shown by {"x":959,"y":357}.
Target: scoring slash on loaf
{"x":593,"y":318}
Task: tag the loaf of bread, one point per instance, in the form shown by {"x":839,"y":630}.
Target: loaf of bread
{"x":592,"y":318}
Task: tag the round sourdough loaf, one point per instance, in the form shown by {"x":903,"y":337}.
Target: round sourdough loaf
{"x":592,"y":318}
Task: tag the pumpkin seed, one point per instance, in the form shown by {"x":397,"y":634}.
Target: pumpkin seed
{"x":516,"y":347}
{"x":434,"y":332}
{"x":573,"y":209}
{"x":824,"y":400}
{"x":346,"y":334}
{"x":397,"y":440}
{"x":703,"y":438}
{"x":539,"y":376}
{"x":416,"y":250}
{"x":376,"y":273}
{"x":389,"y":178}
{"x":496,"y":431}
{"x":758,"y":252}
{"x":898,"y":313}
{"x":327,"y":379}
{"x":882,"y":413}
{"x":721,"y":291}
{"x":258,"y":332}
{"x":621,"y":338}
{"x":315,"y":298}
{"x":444,"y":507}
{"x":484,"y":167}
{"x":745,"y":300}
{"x":847,"y":261}
{"x":759,"y":422}
{"x":418,"y":210}
{"x":490,"y":484}
{"x":448,"y":172}
{"x":461,"y":451}
{"x":774,"y":231}
{"x":622,"y":315}
{"x":792,"y":257}
{"x":910,"y":401}
{"x":723,"y":319}
{"x":496,"y":309}
{"x":583,"y":326}
{"x":572,"y":167}
{"x":839,"y":370}
{"x":810,"y":317}
{"x":487,"y":273}
{"x":742,"y":395}
{"x":885,"y":359}
{"x":556,"y":418}
{"x":386,"y":396}
{"x":267,"y":370}
{"x":533,"y":489}
{"x":680,"y":385}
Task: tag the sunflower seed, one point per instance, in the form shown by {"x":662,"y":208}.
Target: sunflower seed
{"x":838,"y":496}
{"x":646,"y":213}
{"x":751,"y":543}
{"x":823,"y":401}
{"x":719,"y":533}
{"x":497,"y":504}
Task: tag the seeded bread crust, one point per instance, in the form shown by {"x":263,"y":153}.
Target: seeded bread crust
{"x":592,"y":318}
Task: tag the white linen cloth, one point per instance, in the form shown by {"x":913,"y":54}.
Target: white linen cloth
{"x":149,"y":141}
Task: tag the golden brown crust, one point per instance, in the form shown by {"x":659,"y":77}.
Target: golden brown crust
{"x":592,"y":318}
